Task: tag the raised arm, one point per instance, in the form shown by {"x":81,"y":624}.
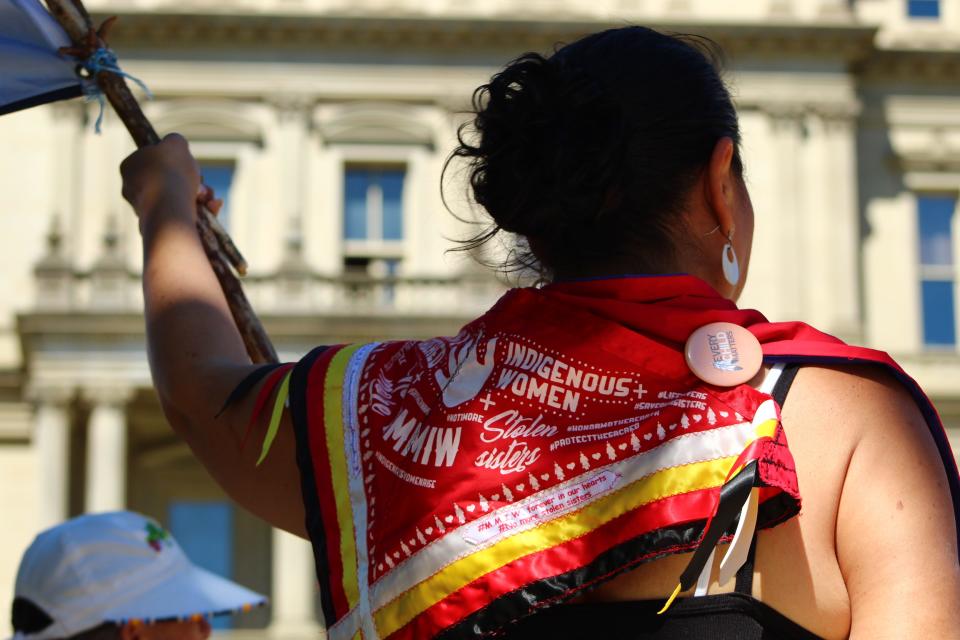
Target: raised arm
{"x":196,"y":353}
{"x":896,"y":536}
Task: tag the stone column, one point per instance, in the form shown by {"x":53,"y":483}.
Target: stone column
{"x":107,"y":449}
{"x":831,"y":221}
{"x":294,"y":589}
{"x":291,"y":139}
{"x":841,"y":158}
{"x":787,"y":253}
{"x":51,"y":444}
{"x":291,"y":143}
{"x":817,"y":225}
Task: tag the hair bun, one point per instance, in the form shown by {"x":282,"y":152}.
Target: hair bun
{"x":531,"y":105}
{"x":590,"y":153}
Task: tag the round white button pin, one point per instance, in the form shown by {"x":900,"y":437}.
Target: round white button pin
{"x":723,"y":354}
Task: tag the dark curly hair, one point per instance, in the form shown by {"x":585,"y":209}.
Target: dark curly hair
{"x":590,"y":153}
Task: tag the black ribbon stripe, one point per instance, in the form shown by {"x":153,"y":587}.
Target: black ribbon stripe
{"x":249,"y":382}
{"x":733,"y":495}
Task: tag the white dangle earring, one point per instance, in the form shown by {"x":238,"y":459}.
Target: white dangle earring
{"x":731,"y":266}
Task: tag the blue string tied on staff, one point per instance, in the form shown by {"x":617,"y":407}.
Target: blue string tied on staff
{"x":104,"y":59}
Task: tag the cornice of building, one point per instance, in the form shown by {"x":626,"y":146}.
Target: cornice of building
{"x":912,"y":65}
{"x":11,"y":382}
{"x":259,"y":35}
{"x":810,"y":11}
{"x":103,"y":329}
{"x":248,"y":35}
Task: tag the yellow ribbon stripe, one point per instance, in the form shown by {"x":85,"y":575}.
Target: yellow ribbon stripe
{"x":662,"y":484}
{"x":333,"y":428}
{"x":673,"y":596}
{"x":274,"y":426}
{"x":767,"y":429}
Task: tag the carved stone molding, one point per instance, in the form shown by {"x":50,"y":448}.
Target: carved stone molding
{"x":113,"y":395}
{"x":383,"y":123}
{"x":209,"y":119}
{"x":837,"y":114}
{"x":380,"y":30}
{"x":916,"y":66}
{"x":928,"y":148}
{"x":784,"y":115}
{"x":49,"y":394}
{"x":932,"y":163}
{"x":794,"y":114}
{"x":292,"y":107}
{"x":53,"y":273}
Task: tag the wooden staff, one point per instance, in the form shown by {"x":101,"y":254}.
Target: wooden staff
{"x":220,"y":250}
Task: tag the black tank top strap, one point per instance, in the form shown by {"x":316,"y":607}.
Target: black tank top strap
{"x":744,"y":579}
{"x":784,"y":382}
{"x":744,"y":583}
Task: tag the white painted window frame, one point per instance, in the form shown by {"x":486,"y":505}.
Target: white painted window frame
{"x":930,"y":183}
{"x":372,"y":155}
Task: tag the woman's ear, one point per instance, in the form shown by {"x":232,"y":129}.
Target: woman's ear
{"x":720,"y":186}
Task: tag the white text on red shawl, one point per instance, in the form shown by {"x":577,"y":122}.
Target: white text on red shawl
{"x":560,"y":383}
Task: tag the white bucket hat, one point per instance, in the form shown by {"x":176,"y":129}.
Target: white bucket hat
{"x":116,"y":567}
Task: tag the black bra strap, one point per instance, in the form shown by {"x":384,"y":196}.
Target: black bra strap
{"x":744,"y":582}
{"x":782,"y":386}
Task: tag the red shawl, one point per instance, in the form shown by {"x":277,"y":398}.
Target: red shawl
{"x":455,"y":484}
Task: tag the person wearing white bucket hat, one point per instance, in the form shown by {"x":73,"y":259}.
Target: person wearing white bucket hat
{"x":117,"y":575}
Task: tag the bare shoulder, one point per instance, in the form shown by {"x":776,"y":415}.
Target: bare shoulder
{"x":861,"y":421}
{"x":895,"y":529}
{"x":829,"y":410}
{"x":853,"y":411}
{"x":858,"y":398}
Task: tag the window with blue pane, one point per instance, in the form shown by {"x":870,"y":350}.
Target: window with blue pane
{"x":923,"y":8}
{"x":935,"y":215}
{"x":204,"y":530}
{"x":219,"y":176}
{"x":373,"y":204}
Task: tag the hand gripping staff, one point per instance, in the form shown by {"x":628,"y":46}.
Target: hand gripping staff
{"x":98,"y":60}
